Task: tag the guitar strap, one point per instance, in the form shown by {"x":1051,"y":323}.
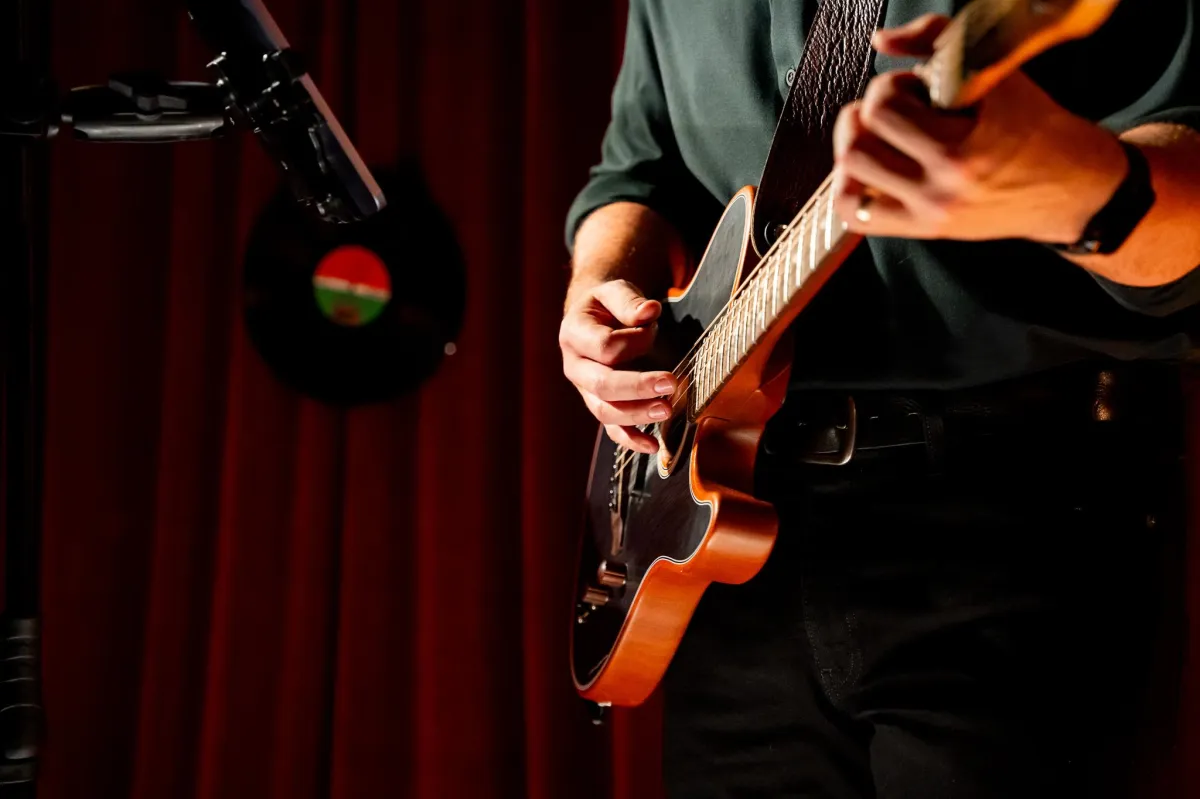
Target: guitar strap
{"x":834,"y":71}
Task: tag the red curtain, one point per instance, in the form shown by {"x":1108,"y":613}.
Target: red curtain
{"x":248,"y":594}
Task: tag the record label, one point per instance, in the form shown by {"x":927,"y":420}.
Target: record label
{"x":352,"y":285}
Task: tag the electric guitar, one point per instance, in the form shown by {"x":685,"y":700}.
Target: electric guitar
{"x":660,"y":528}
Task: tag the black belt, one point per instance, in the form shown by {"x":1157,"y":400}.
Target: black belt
{"x":1139,"y":404}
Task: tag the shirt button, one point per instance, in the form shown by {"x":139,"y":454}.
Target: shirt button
{"x":790,"y":77}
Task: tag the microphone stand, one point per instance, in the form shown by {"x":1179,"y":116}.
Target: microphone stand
{"x":23,"y":203}
{"x":132,"y":107}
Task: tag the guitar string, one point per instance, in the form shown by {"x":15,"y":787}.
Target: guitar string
{"x":689,"y":359}
{"x":975,"y":18}
{"x":681,"y":397}
{"x":683,"y":372}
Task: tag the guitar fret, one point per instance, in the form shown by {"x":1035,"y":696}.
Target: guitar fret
{"x":768,"y":307}
{"x":712,"y":370}
{"x":734,"y":351}
{"x":754,"y":292}
{"x":744,"y":317}
{"x":812,"y":249}
{"x":768,"y":287}
{"x":787,"y":266}
{"x":829,"y":223}
{"x":709,"y":367}
{"x":760,"y":307}
{"x":761,"y":316}
{"x":718,"y":357}
{"x":712,"y":366}
{"x":754,"y":313}
{"x":733,"y":345}
{"x":736,"y":333}
{"x":744,"y":299}
{"x":709,"y":357}
{"x":775,"y":287}
{"x":725,"y":351}
{"x":712,"y":353}
{"x":744,"y":332}
{"x":800,"y":253}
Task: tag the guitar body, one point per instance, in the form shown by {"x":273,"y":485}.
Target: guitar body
{"x":660,"y":529}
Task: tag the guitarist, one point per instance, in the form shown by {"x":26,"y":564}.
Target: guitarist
{"x":982,"y":603}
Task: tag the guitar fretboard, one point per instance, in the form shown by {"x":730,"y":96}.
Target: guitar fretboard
{"x":764,"y":296}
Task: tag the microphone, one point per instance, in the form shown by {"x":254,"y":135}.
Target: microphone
{"x":267,"y":89}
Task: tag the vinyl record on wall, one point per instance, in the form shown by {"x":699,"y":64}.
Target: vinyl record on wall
{"x":356,"y":313}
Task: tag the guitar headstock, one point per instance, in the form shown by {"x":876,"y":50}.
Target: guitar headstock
{"x":991,"y":39}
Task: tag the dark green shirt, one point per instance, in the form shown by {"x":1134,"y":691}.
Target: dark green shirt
{"x":693,"y":111}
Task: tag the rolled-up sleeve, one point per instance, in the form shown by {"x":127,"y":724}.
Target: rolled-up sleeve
{"x":640,"y":160}
{"x":1173,"y":99}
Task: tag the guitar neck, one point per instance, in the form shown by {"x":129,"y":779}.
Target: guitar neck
{"x":768,"y":298}
{"x":986,"y":42}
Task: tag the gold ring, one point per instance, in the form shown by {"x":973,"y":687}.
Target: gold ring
{"x":863,"y":213}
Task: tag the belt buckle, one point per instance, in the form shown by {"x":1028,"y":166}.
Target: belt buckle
{"x":846,"y":439}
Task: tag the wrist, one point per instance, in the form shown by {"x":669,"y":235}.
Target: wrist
{"x":1134,"y":198}
{"x":1097,"y":170}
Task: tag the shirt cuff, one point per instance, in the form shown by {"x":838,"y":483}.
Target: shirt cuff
{"x":1186,"y":115}
{"x":1158,"y":301}
{"x":690,"y":209}
{"x":604,"y":190}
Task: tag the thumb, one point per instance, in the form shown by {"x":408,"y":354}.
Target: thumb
{"x":914,"y":39}
{"x":625,"y":302}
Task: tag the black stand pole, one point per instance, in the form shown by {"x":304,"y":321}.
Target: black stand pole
{"x":23,"y":211}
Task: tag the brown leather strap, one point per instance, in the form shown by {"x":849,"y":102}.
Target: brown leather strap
{"x":834,"y":70}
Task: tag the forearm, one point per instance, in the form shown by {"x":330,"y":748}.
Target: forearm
{"x":626,"y":241}
{"x":1166,"y":245}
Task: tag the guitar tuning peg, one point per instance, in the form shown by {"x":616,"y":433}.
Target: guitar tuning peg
{"x":612,"y":575}
{"x":596,"y":597}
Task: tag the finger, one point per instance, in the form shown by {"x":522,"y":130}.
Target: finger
{"x":632,"y":438}
{"x":844,"y":130}
{"x":896,"y":110}
{"x":625,"y":302}
{"x":849,"y":194}
{"x":626,"y":413}
{"x":613,"y":385}
{"x":582,"y":333}
{"x":871,"y":161}
{"x":846,"y":127}
{"x":917,"y":38}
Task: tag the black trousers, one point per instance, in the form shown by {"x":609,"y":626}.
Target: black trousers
{"x":1000,"y":621}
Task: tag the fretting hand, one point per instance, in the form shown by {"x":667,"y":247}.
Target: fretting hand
{"x":1018,"y":166}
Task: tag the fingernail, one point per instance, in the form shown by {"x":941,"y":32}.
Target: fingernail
{"x":659,"y":412}
{"x":664,"y":386}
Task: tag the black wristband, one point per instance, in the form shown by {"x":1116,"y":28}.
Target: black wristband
{"x":1113,"y":224}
